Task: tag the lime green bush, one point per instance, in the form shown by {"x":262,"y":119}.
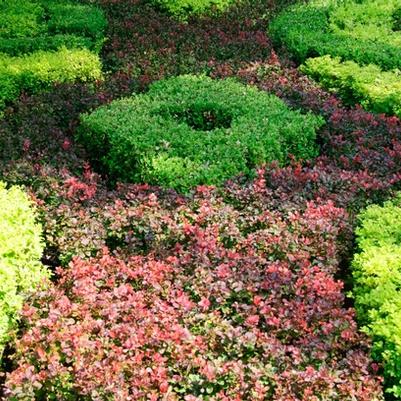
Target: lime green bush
{"x":20,"y":18}
{"x":20,"y":252}
{"x":39,"y":70}
{"x":27,"y":26}
{"x":374,"y":89}
{"x":377,"y":275}
{"x":182,"y":9}
{"x":363,"y":31}
{"x":192,"y":130}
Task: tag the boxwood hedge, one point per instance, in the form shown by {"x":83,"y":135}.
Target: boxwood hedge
{"x":377,"y":275}
{"x":191,"y":130}
{"x":363,"y":31}
{"x":376,"y":90}
{"x":182,"y":9}
{"x":34,"y":38}
{"x":20,"y":252}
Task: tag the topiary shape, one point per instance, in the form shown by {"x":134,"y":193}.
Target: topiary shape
{"x":193,"y":130}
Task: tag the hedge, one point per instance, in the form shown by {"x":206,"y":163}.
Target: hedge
{"x":24,"y":23}
{"x":39,"y":70}
{"x":374,"y":89}
{"x":377,"y":275}
{"x":192,"y":130}
{"x":182,"y":9}
{"x":365,"y":32}
{"x":20,"y":252}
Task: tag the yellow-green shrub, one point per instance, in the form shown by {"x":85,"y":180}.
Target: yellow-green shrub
{"x":20,"y":252}
{"x":377,"y":275}
{"x":374,"y":89}
{"x":39,"y":70}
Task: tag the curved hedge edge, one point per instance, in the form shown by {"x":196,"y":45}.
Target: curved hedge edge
{"x":21,"y":248}
{"x":376,"y":90}
{"x":377,"y":277}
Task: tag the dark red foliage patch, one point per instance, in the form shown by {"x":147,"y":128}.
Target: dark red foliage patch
{"x":229,"y":303}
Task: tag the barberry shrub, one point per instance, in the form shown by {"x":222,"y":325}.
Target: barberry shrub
{"x":377,"y":275}
{"x":20,"y":252}
{"x":192,"y":130}
{"x":200,"y":301}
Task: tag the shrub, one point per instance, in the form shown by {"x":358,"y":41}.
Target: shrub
{"x":374,"y":89}
{"x":377,"y":275}
{"x":192,"y":130}
{"x":41,"y":69}
{"x":27,"y":26}
{"x":20,"y":18}
{"x":219,"y":303}
{"x":353,"y":30}
{"x":186,"y":8}
{"x":82,"y":20}
{"x":20,"y":251}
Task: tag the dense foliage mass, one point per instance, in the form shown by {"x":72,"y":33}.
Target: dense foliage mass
{"x":374,"y":89}
{"x":234,"y":293}
{"x":183,"y":9}
{"x":41,"y":69}
{"x":192,"y":130}
{"x":21,"y":248}
{"x":362,"y":34}
{"x":34,"y":38}
{"x":377,"y":274}
{"x":224,"y":303}
{"x":361,"y":31}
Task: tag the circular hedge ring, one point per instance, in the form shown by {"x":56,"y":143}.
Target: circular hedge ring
{"x":192,"y":130}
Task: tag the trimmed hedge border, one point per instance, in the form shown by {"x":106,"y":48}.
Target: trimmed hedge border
{"x":192,"y":130}
{"x":352,"y":31}
{"x":20,"y":252}
{"x":376,"y":90}
{"x":377,"y":275}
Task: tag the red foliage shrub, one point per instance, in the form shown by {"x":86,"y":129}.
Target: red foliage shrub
{"x":225,"y":303}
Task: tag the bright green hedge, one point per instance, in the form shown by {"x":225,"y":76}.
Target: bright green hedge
{"x":191,"y":130}
{"x":20,"y":252}
{"x":182,"y":9}
{"x":374,"y":89}
{"x":39,"y":70}
{"x":362,"y":31}
{"x":27,"y":26}
{"x":377,"y":275}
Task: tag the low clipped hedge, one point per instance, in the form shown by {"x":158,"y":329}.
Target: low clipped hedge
{"x":183,"y":9}
{"x":20,"y":252}
{"x":39,"y":70}
{"x":377,"y":275}
{"x":374,"y":89}
{"x":28,"y":26}
{"x":34,"y":38}
{"x":365,"y":32}
{"x":192,"y":130}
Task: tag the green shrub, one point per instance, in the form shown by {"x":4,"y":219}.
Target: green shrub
{"x":182,"y":9}
{"x":192,"y":130}
{"x":19,"y":46}
{"x":82,"y":20}
{"x":377,"y":275}
{"x":20,"y":252}
{"x":39,"y":70}
{"x":20,"y":18}
{"x":362,"y":31}
{"x":27,"y":26}
{"x":374,"y":89}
